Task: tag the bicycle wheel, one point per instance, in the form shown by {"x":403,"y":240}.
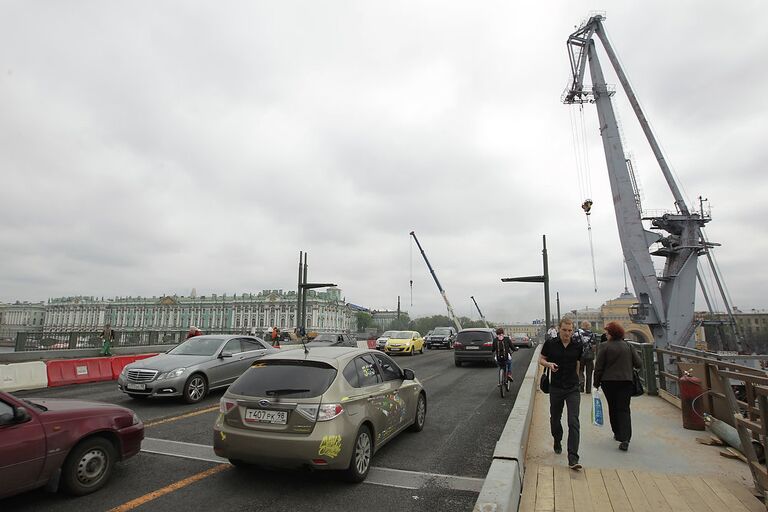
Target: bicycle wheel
{"x":502,"y":379}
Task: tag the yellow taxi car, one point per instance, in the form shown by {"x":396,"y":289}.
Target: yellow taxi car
{"x":404,"y":342}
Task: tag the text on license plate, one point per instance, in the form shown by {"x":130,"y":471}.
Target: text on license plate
{"x":135,"y":386}
{"x":471,"y":347}
{"x":264,"y":416}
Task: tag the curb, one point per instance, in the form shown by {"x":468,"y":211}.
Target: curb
{"x":503,"y":484}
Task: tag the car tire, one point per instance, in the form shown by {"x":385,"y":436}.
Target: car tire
{"x":421,"y":414}
{"x":88,"y":466}
{"x":362,"y":452}
{"x":413,"y":351}
{"x":239,"y":464}
{"x":457,"y":363}
{"x":195,"y":388}
{"x":136,"y":396}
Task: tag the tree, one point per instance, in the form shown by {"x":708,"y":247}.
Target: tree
{"x":364,"y":320}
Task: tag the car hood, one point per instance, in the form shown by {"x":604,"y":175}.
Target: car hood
{"x":80,"y":406}
{"x":165,"y":362}
{"x":396,"y":340}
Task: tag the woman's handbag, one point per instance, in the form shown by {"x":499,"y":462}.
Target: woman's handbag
{"x":544,"y":382}
{"x":637,"y":384}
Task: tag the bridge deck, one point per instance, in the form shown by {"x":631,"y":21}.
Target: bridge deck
{"x":557,"y":488}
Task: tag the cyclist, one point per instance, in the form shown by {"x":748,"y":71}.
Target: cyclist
{"x":502,"y":349}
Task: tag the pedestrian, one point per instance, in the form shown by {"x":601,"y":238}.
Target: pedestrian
{"x":613,"y":372}
{"x":192,"y":332}
{"x":588,"y":341}
{"x":275,"y":337}
{"x":503,"y":348}
{"x":562,"y":357}
{"x":551,"y":333}
{"x":108,"y":337}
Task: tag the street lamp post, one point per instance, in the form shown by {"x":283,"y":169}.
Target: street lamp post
{"x":538,"y":279}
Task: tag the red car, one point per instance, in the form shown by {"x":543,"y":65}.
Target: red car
{"x":70,"y":444}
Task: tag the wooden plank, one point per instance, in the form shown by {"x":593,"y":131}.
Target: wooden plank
{"x":671,"y":495}
{"x":618,"y":497}
{"x":633,"y":491}
{"x":732,"y":503}
{"x":744,"y":495}
{"x":528,"y":498}
{"x":545,"y":490}
{"x":597,"y":491}
{"x":669,"y":397}
{"x":582,"y":501}
{"x":710,"y":498}
{"x":652,"y":493}
{"x":689,"y":494}
{"x":563,"y":491}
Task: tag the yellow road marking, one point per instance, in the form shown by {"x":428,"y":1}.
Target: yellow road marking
{"x":169,"y":489}
{"x":187,"y":415}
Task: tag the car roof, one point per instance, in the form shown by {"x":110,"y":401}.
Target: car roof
{"x":484,"y":329}
{"x":222,"y":336}
{"x":330,"y":355}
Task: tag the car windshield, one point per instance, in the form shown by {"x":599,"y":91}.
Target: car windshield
{"x":387,"y":334}
{"x":441,"y":330}
{"x":297,"y":379}
{"x":401,"y":335}
{"x":197,"y":346}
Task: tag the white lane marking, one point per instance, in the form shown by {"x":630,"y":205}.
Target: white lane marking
{"x":387,"y":477}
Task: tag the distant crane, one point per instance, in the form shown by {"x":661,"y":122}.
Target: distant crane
{"x":481,"y":313}
{"x":665,"y":302}
{"x":442,"y":292}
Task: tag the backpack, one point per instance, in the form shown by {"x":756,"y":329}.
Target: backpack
{"x":588,"y":345}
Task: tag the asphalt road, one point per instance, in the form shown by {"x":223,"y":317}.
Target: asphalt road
{"x":440,"y":468}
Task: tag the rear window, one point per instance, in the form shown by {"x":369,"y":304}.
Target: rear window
{"x":289,"y":379}
{"x":468,"y":336}
{"x":442,"y":330}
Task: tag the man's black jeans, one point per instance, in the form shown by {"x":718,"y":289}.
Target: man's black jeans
{"x":559,"y":397}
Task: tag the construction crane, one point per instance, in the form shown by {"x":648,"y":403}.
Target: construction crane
{"x":481,"y":313}
{"x":665,"y":302}
{"x":442,"y":292}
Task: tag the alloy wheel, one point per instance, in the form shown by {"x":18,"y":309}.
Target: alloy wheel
{"x":362,"y":452}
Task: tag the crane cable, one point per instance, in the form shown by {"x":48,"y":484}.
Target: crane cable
{"x":411,"y":270}
{"x":583,"y":174}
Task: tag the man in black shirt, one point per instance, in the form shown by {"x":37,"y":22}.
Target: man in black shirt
{"x":562,"y":356}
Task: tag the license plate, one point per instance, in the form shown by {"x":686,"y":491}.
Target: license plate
{"x":470,"y":347}
{"x":141,"y":387}
{"x":395,"y":349}
{"x":264,"y":416}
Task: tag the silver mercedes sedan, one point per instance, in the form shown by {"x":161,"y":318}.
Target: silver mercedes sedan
{"x":193,"y":368}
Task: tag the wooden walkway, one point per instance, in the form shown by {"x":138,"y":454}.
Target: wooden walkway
{"x":550,"y":489}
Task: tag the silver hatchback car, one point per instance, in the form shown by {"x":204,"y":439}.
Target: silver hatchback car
{"x":193,"y":367}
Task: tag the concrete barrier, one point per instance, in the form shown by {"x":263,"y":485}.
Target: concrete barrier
{"x":504,"y":482}
{"x":31,"y":375}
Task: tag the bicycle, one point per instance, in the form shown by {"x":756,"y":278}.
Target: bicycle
{"x":504,"y":382}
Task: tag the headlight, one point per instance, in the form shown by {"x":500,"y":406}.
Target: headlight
{"x":171,"y":374}
{"x":135,"y":419}
{"x":125,"y":371}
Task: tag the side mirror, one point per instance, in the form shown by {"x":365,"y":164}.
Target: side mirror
{"x":408,"y":374}
{"x":225,"y":354}
{"x":21,"y":415}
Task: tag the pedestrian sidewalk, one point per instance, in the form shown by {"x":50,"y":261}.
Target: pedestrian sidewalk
{"x":664,"y":469}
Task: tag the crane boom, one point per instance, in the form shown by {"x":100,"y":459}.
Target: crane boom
{"x":437,"y":282}
{"x":666,"y":302}
{"x":481,"y":313}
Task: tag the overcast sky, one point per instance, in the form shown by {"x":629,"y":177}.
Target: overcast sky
{"x":148,"y":148}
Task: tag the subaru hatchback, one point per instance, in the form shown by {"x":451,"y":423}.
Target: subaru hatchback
{"x":474,"y":345}
{"x":324,"y":408}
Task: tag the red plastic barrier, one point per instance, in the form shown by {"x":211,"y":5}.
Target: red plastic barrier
{"x":371,"y":343}
{"x":119,"y":362}
{"x":63,"y":372}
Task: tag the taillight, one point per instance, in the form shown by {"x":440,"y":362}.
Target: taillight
{"x":329,"y":411}
{"x":456,"y":344}
{"x":226,"y":405}
{"x":488,"y":344}
{"x":309,"y":411}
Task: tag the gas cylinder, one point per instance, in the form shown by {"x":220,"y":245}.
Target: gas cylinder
{"x":690,"y":388}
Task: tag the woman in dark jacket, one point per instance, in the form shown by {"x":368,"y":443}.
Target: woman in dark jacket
{"x":613,"y":371}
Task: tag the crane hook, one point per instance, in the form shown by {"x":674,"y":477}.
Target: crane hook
{"x":587,"y":206}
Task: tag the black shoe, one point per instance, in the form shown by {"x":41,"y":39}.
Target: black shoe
{"x":558,"y":447}
{"x":624,"y":446}
{"x":575,"y":466}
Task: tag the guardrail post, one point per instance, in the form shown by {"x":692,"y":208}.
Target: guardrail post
{"x":21,"y":341}
{"x":646,"y":351}
{"x":660,"y":363}
{"x":73,"y":340}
